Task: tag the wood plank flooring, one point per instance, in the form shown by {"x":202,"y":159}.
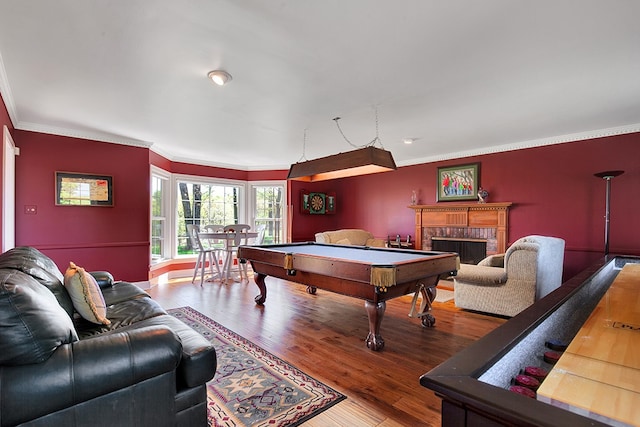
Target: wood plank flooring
{"x":323,"y":335}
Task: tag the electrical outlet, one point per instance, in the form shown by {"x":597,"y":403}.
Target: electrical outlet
{"x":30,"y":209}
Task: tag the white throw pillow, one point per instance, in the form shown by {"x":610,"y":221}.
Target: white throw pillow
{"x":86,"y":295}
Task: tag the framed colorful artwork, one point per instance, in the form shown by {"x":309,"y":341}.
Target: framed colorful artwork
{"x":458,"y":182}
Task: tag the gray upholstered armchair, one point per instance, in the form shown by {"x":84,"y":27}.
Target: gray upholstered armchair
{"x":508,"y":283}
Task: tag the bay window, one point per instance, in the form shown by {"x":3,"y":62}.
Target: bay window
{"x":202,"y":201}
{"x":180,"y":200}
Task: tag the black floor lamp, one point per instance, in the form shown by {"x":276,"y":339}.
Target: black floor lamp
{"x":607,"y":175}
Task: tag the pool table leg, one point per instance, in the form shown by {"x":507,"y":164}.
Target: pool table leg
{"x":428,"y":294}
{"x":259,"y":279}
{"x":375,"y":312}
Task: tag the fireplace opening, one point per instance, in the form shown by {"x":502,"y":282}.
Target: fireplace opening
{"x":471,"y":251}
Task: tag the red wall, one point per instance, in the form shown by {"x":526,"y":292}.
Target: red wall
{"x":97,"y":238}
{"x":553,"y":190}
{"x":115,"y":238}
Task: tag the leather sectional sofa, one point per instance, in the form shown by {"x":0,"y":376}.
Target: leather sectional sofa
{"x":137,"y":366}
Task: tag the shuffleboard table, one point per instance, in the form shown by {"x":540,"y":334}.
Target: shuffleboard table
{"x":372,"y":274}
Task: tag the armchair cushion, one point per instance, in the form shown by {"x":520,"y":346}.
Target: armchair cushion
{"x":493,"y":261}
{"x":482,"y":275}
{"x":86,"y":294}
{"x":33,"y":325}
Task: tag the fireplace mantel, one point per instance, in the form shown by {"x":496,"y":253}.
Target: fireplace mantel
{"x":463,"y":216}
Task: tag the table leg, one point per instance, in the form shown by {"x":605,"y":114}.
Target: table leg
{"x":259,"y":279}
{"x":375,"y":312}
{"x":428,"y":294}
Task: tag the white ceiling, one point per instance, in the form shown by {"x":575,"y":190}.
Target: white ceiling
{"x":461,"y":77}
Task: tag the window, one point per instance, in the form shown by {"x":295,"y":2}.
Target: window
{"x":269,"y":201}
{"x":202,"y":202}
{"x":178,"y":200}
{"x":160,"y":197}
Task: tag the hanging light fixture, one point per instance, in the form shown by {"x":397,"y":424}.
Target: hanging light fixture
{"x":357,"y":162}
{"x":361,"y":161}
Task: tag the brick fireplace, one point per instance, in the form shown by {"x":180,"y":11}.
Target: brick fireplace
{"x":472,"y":222}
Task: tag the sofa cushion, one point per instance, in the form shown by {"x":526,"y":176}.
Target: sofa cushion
{"x":39,"y":266}
{"x":33,"y":323}
{"x":354,"y":235}
{"x":121,"y":291}
{"x":124,"y":313}
{"x":86,"y":294}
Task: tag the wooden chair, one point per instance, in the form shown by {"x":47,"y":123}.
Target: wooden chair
{"x":220,"y":244}
{"x":234,"y":240}
{"x":205,"y":254}
{"x":261,"y":230}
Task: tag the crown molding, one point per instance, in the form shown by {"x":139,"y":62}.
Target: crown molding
{"x":7,"y":96}
{"x":560,"y":139}
{"x":5,"y":91}
{"x":95,"y":136}
{"x":202,"y":162}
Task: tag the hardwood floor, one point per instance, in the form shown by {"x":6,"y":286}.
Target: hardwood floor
{"x":323,"y":335}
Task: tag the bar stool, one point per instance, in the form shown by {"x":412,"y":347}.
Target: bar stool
{"x":204,"y":254}
{"x":236,"y":233}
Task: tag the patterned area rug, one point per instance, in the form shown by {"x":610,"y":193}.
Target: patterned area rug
{"x":252,"y":387}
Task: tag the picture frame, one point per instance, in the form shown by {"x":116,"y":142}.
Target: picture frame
{"x":81,"y":189}
{"x":458,"y":182}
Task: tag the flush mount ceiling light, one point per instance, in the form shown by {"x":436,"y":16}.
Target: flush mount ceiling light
{"x":362,"y":161}
{"x":219,"y":77}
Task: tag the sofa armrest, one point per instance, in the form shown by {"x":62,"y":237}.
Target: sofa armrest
{"x":322,"y":238}
{"x":376,"y":243}
{"x":199,"y":360}
{"x":481,"y":275}
{"x":104,"y":278}
{"x":86,"y":369}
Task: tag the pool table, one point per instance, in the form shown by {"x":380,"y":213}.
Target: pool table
{"x":372,"y":274}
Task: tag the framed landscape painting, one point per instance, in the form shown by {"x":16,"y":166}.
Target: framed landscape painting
{"x":458,"y":182}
